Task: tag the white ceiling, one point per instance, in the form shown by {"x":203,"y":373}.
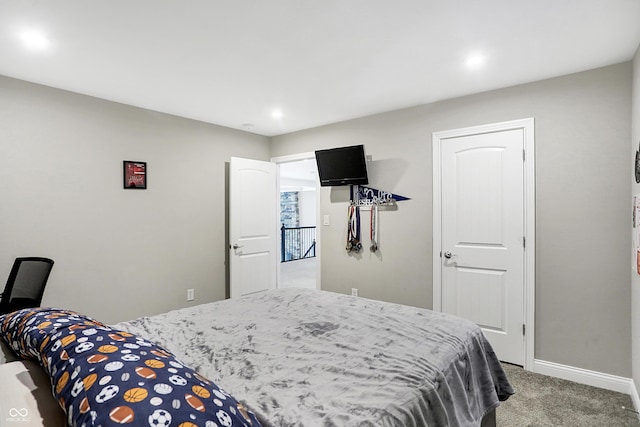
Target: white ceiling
{"x":233,"y":62}
{"x":299,"y":175}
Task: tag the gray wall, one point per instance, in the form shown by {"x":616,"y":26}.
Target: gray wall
{"x":119,"y":253}
{"x":582,"y":124}
{"x":635,"y":188}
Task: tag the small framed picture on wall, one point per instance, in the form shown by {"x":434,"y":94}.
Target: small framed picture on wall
{"x":135,"y":175}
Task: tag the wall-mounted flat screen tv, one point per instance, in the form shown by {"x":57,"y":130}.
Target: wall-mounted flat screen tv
{"x":342,"y":166}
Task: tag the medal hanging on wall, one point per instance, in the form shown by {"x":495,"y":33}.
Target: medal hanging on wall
{"x":373,"y":230}
{"x":353,"y":230}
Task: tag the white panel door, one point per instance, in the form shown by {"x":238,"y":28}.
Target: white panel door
{"x":253,"y":195}
{"x":482,"y":202}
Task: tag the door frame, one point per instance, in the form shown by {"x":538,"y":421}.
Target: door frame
{"x":438,"y":138}
{"x":296,"y":158}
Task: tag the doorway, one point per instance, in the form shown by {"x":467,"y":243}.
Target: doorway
{"x":484,"y":242}
{"x":298,"y":245}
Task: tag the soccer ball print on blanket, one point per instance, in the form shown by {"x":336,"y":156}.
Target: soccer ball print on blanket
{"x":102,"y":376}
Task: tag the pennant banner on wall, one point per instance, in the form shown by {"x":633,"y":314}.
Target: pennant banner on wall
{"x":362,"y":195}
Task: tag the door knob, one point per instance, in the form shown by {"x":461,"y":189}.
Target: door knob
{"x":448,"y":254}
{"x":236,"y":246}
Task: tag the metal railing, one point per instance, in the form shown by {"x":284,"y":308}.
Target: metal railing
{"x":297,"y":243}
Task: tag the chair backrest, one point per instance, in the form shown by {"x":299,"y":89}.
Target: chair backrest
{"x":26,"y":283}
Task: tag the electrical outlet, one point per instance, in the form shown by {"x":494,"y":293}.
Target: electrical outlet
{"x":354,"y":292}
{"x":190,"y":295}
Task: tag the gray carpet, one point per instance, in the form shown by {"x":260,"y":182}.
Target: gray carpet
{"x":546,"y":401}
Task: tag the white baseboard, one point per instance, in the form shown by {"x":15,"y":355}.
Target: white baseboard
{"x":585,"y":376}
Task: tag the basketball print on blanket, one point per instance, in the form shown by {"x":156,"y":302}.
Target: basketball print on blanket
{"x":103,"y":376}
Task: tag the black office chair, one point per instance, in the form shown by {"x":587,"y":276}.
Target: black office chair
{"x":26,"y":283}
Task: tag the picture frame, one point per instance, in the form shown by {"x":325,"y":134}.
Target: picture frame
{"x":134,"y":175}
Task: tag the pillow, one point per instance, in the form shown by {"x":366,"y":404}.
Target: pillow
{"x":25,"y":396}
{"x":103,"y":376}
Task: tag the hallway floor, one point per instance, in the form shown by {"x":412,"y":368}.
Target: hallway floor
{"x":300,"y":273}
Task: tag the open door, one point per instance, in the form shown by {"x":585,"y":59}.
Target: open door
{"x":253,"y":235}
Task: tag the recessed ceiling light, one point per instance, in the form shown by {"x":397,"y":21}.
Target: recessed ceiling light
{"x":277,"y":114}
{"x":34,"y":39}
{"x":475,"y":60}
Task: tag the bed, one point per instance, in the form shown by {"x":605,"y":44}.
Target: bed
{"x":310,"y":358}
{"x":315,"y":358}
